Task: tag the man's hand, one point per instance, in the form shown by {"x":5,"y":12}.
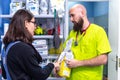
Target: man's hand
{"x":72,"y":63}
{"x":96,"y":61}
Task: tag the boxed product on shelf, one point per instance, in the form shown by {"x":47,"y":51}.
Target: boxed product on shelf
{"x":58,"y":5}
{"x":40,"y":42}
{"x":16,"y":5}
{"x":43,"y":52}
{"x":33,"y":6}
{"x":41,"y":46}
{"x":43,"y":7}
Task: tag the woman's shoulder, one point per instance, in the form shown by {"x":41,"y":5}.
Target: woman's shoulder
{"x":21,"y":46}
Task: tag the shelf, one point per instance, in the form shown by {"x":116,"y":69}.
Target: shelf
{"x":55,"y":78}
{"x":50,"y":56}
{"x":41,"y":36}
{"x":45,"y":36}
{"x":36,"y":16}
{"x":46,"y":16}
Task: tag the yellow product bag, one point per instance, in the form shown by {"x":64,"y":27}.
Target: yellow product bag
{"x":64,"y":69}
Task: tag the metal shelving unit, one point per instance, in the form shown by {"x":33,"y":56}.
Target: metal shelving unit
{"x":43,"y":16}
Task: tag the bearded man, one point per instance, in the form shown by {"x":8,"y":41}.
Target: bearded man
{"x":90,"y":46}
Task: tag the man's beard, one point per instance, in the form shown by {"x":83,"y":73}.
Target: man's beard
{"x":78,"y":25}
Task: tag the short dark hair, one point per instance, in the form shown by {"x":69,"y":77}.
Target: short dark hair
{"x":17,"y":30}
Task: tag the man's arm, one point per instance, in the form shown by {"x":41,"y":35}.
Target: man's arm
{"x":96,"y":61}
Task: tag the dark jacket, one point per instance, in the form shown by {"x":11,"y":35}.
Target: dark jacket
{"x":23,"y":63}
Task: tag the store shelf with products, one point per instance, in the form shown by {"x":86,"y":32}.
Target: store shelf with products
{"x":42,"y":17}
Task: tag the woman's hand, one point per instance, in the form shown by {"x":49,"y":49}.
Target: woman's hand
{"x":56,"y":69}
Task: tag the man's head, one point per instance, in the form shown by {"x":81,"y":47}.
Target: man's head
{"x":77,"y":15}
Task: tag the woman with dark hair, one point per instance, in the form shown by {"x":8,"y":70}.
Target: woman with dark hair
{"x":22,"y":58}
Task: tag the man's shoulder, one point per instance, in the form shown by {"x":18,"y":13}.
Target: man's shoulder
{"x":96,"y":27}
{"x":72,"y":32}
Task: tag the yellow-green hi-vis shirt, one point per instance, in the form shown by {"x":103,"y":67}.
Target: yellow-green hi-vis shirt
{"x":93,"y":43}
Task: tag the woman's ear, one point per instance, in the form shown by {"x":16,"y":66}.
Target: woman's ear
{"x":26,"y":24}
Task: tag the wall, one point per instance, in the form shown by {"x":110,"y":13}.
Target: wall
{"x":101,"y":14}
{"x":97,"y":12}
{"x":3,"y":10}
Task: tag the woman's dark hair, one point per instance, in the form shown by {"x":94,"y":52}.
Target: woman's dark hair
{"x":17,"y":30}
